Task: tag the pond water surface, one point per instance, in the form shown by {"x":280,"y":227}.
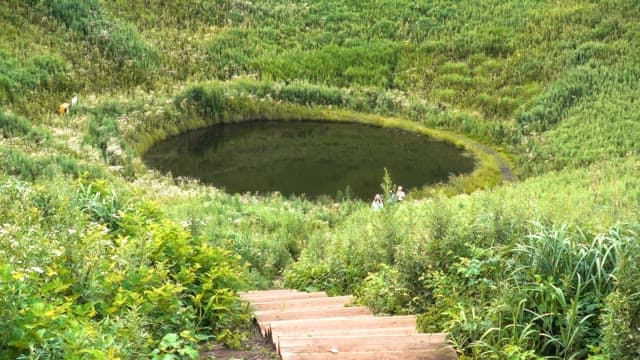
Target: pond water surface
{"x":307,"y":157}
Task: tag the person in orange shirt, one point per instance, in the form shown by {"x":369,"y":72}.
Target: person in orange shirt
{"x":64,"y":108}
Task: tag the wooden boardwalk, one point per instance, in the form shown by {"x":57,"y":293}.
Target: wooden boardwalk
{"x":313,"y":326}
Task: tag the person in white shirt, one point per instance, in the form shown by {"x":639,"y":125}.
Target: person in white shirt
{"x":400,"y":195}
{"x":377,"y":203}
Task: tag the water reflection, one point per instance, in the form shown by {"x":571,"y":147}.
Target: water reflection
{"x":312,"y":158}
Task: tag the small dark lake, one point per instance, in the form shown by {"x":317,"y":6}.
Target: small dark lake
{"x":312,"y":158}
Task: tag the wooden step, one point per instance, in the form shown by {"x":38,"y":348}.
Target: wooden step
{"x":310,"y":312}
{"x":284,"y":297}
{"x":301,"y":303}
{"x":277,"y":336}
{"x":355,"y":343}
{"x":273,"y":291}
{"x":349,"y":332}
{"x":251,"y":295}
{"x":329,"y":345}
{"x":266,"y":318}
{"x":342,"y":322}
{"x":337,"y":326}
{"x":446,"y":354}
{"x":312,"y":326}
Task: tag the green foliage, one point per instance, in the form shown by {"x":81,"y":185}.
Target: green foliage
{"x":40,"y":72}
{"x":621,"y":319}
{"x":116,"y":40}
{"x":16,"y":126}
{"x":30,"y":168}
{"x":102,"y":132}
{"x":382,"y":291}
{"x":174,"y":346}
{"x":91,"y":268}
{"x":587,"y":133}
{"x":557,"y":286}
{"x":551,"y":107}
{"x":269,"y":234}
{"x":180,"y":14}
{"x":119,"y":280}
{"x":207,"y":102}
{"x":371,"y":64}
{"x":478,"y":269}
{"x":388,"y":187}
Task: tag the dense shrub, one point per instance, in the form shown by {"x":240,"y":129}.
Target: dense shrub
{"x":621,"y":313}
{"x":31,"y":168}
{"x":40,"y":72}
{"x":550,"y":108}
{"x":92,"y":23}
{"x":89,"y":268}
{"x":12,"y":125}
{"x":478,"y":269}
{"x":119,"y":281}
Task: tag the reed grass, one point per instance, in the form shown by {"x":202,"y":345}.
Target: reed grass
{"x":113,"y":266}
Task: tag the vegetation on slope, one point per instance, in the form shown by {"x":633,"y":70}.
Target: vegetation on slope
{"x":101,"y":259}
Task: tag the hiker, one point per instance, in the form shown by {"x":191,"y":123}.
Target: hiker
{"x":377,"y":203}
{"x":400,"y":195}
{"x":64,"y":108}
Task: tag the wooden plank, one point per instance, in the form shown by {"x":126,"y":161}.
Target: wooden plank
{"x":350,"y":332}
{"x":302,"y":303}
{"x":272,"y":291}
{"x":441,"y":354}
{"x":311,"y":312}
{"x":248,"y":295}
{"x":265,"y":318}
{"x":364,"y":343}
{"x":285,"y":297}
{"x":329,"y":345}
{"x":342,"y":322}
{"x":264,"y":328}
{"x":277,"y":336}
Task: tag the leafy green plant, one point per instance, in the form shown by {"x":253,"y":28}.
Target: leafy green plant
{"x":94,"y":268}
{"x":177,"y":346}
{"x":388,"y":187}
{"x":620,"y":314}
{"x":14,"y":126}
{"x":90,"y":21}
{"x":382,"y":292}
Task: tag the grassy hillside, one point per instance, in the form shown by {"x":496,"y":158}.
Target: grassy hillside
{"x":100,"y":258}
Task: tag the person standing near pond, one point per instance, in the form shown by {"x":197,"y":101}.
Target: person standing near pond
{"x":377,"y":203}
{"x":400,"y":194}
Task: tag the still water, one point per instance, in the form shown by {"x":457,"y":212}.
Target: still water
{"x":312,"y":158}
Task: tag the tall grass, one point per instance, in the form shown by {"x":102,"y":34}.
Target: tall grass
{"x":529,"y":270}
{"x":118,"y":41}
{"x":478,"y":268}
{"x":16,"y":126}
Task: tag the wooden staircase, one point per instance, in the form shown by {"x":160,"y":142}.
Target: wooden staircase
{"x":313,"y":326}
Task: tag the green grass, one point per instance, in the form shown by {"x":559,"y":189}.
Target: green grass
{"x":101,"y":258}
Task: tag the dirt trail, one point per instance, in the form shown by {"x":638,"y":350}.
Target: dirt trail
{"x":505,"y":169}
{"x":255,"y":348}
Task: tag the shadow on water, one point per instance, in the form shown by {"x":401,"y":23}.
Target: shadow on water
{"x":312,"y":158}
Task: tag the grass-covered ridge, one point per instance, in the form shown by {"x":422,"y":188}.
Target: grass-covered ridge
{"x":101,"y":259}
